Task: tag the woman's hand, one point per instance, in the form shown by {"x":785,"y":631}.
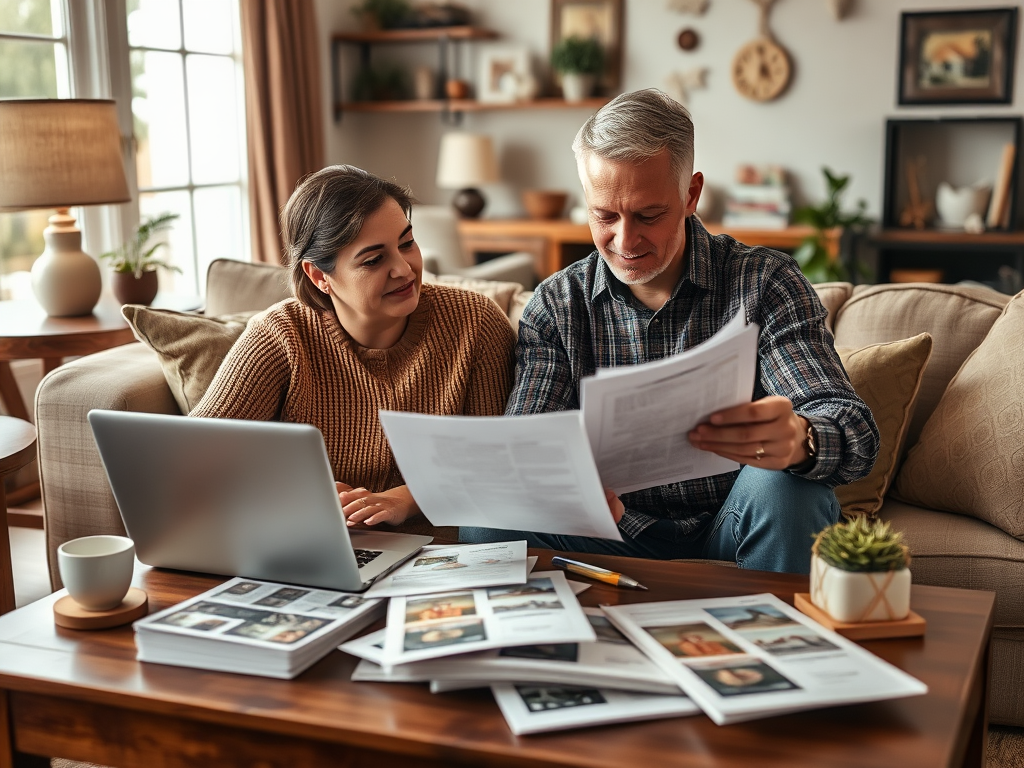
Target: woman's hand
{"x":393,"y":506}
{"x":615,"y":505}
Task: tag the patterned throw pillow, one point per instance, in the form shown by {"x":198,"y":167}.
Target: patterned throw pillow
{"x":887,"y":377}
{"x":190,"y":347}
{"x":970,"y":458}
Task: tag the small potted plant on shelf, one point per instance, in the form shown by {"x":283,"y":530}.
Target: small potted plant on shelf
{"x":860,"y":571}
{"x":579,"y":60}
{"x":135,"y":264}
{"x":812,"y":255}
{"x":382,"y":14}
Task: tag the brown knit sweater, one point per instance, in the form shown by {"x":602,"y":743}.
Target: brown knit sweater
{"x":294,"y":363}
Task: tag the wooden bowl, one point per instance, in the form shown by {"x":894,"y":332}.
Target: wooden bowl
{"x":543,"y":203}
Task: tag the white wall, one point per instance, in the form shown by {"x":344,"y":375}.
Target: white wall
{"x":833,"y":113}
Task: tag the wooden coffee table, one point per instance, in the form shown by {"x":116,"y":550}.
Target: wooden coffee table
{"x":83,"y":695}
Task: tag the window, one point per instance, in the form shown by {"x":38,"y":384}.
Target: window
{"x":177,"y":63}
{"x":186,"y":99}
{"x":33,"y":65}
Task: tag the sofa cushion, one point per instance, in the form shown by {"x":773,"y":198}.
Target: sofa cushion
{"x":957,"y":317}
{"x":832,"y":297}
{"x":970,"y":458}
{"x":190,"y":347}
{"x":242,"y":286}
{"x":887,"y":377}
{"x":502,"y":294}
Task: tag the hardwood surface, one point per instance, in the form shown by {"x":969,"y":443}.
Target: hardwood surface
{"x":17,"y":448}
{"x":82,"y":695}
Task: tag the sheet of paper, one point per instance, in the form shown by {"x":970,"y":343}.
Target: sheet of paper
{"x":543,"y":610}
{"x":463,"y":566}
{"x":528,"y":473}
{"x":753,"y":656}
{"x":638,"y":417}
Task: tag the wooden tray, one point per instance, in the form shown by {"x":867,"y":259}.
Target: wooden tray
{"x":912,"y":626}
{"x":69,"y":614}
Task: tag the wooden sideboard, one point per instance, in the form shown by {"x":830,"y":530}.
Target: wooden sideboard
{"x":557,"y":243}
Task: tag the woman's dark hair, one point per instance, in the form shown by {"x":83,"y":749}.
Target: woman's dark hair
{"x":324,"y":214}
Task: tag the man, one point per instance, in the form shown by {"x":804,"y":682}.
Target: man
{"x":659,"y":283}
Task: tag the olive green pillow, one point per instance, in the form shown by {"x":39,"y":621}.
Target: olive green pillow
{"x":887,"y":377}
{"x":190,"y":346}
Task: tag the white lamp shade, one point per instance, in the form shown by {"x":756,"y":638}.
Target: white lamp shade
{"x":465,"y":160}
{"x":58,"y":153}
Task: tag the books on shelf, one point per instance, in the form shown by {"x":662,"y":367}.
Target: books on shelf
{"x":254,"y":628}
{"x":999,"y":213}
{"x":757,"y":206}
{"x":611,"y":661}
{"x":741,"y":658}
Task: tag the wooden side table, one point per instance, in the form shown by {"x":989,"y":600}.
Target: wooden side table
{"x":17,"y":448}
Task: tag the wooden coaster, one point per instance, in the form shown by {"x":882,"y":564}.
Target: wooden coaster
{"x":912,"y":626}
{"x":69,"y":614}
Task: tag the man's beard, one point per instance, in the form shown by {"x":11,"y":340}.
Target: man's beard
{"x":638,"y":276}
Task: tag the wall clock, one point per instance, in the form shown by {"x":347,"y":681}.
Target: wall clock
{"x":761,"y":69}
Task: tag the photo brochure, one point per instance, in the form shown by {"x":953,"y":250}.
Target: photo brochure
{"x":439,"y":568}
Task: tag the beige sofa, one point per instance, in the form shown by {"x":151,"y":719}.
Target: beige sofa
{"x":959,"y":444}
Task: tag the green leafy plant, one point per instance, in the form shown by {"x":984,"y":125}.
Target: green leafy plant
{"x":812,"y":255}
{"x":384,"y":82}
{"x":862,"y":545}
{"x":578,"y":55}
{"x":387,"y":14}
{"x":134,"y":256}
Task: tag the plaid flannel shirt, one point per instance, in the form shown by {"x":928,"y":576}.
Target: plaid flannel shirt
{"x":583,"y":318}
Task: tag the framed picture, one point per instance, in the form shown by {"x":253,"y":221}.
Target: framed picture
{"x":957,"y":57}
{"x":592,"y":18}
{"x":504,"y":73}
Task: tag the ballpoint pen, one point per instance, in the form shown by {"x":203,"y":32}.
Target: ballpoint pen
{"x":593,"y":572}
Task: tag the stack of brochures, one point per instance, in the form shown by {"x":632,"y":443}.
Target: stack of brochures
{"x":254,"y":628}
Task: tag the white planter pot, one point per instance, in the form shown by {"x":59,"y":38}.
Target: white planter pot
{"x":577,"y":87}
{"x":856,"y":596}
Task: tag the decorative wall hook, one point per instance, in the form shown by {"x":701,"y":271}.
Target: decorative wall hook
{"x":679,"y":84}
{"x":696,"y":7}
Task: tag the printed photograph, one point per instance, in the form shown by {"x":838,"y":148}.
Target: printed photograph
{"x":606,"y":631}
{"x":192,"y":620}
{"x":568,"y":652}
{"x":539,"y":602}
{"x":790,"y":641}
{"x":961,"y":59}
{"x":742,"y":677}
{"x":440,"y":634}
{"x":443,"y":607}
{"x":747,"y":617}
{"x":282,"y":597}
{"x":241,"y":588}
{"x":424,"y":562}
{"x":449,"y":566}
{"x":532,"y":587}
{"x":279,"y":628}
{"x":545,"y":698}
{"x":228,"y":611}
{"x":348,"y":601}
{"x":687,"y":641}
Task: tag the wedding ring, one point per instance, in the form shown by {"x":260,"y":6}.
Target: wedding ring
{"x":759,"y":453}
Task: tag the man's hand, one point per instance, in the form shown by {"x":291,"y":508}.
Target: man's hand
{"x":765,"y":433}
{"x":614,"y":505}
{"x":360,"y":506}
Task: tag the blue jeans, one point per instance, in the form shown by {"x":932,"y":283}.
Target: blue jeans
{"x":766,"y":524}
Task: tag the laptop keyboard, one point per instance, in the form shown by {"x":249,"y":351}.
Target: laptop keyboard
{"x":364,"y":556}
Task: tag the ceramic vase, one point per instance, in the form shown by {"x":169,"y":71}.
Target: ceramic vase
{"x":129,"y":289}
{"x":852,"y":596}
{"x":66,"y":281}
{"x":576,"y":87}
{"x":956,"y":205}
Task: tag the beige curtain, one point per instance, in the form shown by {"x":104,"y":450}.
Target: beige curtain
{"x":283,"y":109}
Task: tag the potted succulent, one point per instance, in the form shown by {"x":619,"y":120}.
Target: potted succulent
{"x":579,"y":60}
{"x":812,"y":255}
{"x":135,"y":264}
{"x":860,"y":571}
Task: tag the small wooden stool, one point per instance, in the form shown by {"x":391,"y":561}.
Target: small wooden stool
{"x":17,"y":448}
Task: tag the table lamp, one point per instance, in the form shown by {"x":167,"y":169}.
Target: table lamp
{"x":465,"y":160}
{"x":58,"y":153}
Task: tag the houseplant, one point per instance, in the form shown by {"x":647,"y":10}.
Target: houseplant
{"x":812,"y":255}
{"x":579,"y":60}
{"x":383,"y":14}
{"x":860,"y":571}
{"x":135,"y":264}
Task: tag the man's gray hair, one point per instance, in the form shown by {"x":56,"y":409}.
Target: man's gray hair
{"x":636,"y":126}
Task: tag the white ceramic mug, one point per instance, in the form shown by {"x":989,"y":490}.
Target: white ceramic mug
{"x":97,"y":570}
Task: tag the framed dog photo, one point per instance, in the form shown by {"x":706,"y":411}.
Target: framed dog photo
{"x":957,"y":57}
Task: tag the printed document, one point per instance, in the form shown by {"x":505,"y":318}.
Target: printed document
{"x":638,"y":417}
{"x":527,"y":473}
{"x":439,"y":568}
{"x":543,"y":610}
{"x":754,"y":656}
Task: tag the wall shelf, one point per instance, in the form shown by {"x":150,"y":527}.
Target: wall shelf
{"x":465,"y":105}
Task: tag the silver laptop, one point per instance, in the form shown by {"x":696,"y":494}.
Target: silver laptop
{"x":238,"y":498}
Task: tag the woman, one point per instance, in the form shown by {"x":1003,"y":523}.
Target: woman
{"x":362,"y":334}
